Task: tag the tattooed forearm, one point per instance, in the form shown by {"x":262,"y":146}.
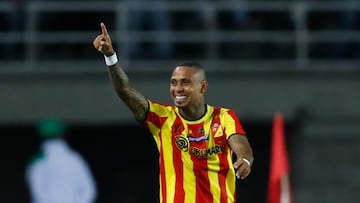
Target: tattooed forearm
{"x":137,"y":103}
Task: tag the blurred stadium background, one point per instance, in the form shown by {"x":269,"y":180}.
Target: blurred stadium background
{"x":300,"y":58}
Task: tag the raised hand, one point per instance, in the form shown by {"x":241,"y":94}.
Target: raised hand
{"x":103,"y":42}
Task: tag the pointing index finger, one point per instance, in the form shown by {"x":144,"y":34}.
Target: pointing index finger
{"x":103,"y":29}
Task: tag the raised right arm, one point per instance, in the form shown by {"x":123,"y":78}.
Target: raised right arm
{"x":136,"y":102}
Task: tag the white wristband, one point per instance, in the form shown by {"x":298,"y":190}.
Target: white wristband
{"x":111,"y":60}
{"x":247,"y":161}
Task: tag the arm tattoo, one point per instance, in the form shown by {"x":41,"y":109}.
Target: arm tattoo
{"x":136,"y":102}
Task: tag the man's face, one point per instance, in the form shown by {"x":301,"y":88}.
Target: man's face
{"x":187,"y":86}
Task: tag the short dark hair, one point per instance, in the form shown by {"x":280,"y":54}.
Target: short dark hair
{"x":197,"y":66}
{"x":191,"y":64}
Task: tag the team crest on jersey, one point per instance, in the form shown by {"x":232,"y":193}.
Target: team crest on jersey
{"x":182,"y":143}
{"x":214,"y":128}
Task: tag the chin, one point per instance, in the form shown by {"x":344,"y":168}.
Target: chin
{"x":179,"y":105}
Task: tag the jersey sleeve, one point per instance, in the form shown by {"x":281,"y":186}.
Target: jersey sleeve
{"x":158,"y":113}
{"x":232,"y":124}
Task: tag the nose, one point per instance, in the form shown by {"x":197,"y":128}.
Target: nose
{"x":179,"y":88}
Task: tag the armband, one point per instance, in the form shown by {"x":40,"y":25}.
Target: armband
{"x":111,"y":60}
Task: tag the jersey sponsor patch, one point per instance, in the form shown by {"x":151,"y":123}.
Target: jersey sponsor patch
{"x":198,"y":139}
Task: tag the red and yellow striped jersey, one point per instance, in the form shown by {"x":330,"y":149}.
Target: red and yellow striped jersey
{"x":195,"y":158}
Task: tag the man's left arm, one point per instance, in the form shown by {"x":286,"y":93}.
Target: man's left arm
{"x":244,"y":155}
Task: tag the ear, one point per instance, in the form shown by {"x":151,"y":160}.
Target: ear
{"x":204,"y":86}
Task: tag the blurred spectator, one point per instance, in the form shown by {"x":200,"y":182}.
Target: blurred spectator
{"x":153,"y":20}
{"x":58,"y":174}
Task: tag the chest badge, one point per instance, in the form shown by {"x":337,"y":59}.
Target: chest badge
{"x":182,"y":143}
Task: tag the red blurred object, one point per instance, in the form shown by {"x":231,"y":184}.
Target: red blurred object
{"x":279,"y":190}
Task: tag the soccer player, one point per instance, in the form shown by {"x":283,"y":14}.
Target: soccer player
{"x":196,"y":141}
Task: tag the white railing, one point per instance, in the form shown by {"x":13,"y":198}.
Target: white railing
{"x":300,"y":36}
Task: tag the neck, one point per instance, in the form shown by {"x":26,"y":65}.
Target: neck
{"x":193,"y":112}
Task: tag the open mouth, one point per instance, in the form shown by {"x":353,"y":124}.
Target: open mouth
{"x":180,"y":98}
